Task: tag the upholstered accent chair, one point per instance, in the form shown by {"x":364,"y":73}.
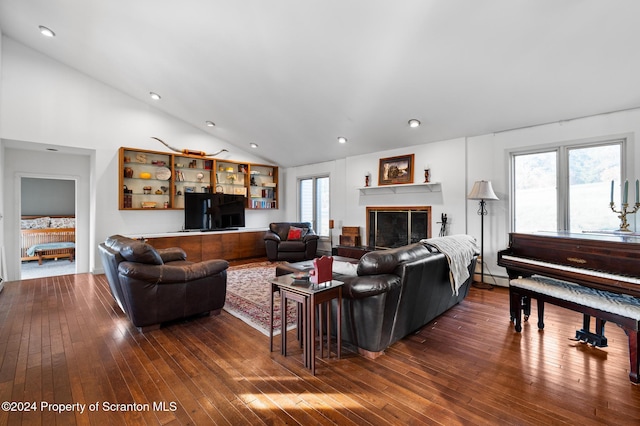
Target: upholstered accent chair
{"x":157,"y":286}
{"x":291,"y":241}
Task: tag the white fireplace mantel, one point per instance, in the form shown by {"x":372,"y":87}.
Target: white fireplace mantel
{"x":401,"y":189}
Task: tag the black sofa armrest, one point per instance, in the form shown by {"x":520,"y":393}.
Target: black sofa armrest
{"x":172,"y":254}
{"x":369,"y":285}
{"x":171,"y":274}
{"x":269,"y":235}
{"x":310,"y":237}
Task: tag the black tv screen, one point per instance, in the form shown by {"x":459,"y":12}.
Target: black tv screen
{"x":207,"y":211}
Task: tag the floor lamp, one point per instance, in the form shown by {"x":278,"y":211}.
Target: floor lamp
{"x":482,"y":191}
{"x":330,"y":237}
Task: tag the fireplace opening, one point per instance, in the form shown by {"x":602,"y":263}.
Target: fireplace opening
{"x":389,"y":227}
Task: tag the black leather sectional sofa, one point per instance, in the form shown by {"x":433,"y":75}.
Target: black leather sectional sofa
{"x":396,"y":292}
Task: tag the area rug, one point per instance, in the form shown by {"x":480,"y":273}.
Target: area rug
{"x":248,"y":292}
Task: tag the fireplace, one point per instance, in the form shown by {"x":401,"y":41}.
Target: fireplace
{"x":389,"y":227}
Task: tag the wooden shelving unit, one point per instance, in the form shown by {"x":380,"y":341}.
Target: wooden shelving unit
{"x":159,"y":180}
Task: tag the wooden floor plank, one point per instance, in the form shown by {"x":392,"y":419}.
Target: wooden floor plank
{"x":64,"y":340}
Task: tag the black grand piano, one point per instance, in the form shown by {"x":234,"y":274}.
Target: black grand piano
{"x":602,"y":261}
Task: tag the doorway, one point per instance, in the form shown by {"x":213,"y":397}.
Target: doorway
{"x":47,"y":227}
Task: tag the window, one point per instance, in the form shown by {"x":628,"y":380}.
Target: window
{"x":566,"y":188}
{"x":535,"y":193}
{"x":314,"y":203}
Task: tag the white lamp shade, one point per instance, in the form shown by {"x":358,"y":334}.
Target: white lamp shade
{"x":482,"y":190}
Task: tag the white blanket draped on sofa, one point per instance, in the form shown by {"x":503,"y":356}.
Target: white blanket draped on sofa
{"x":459,"y":251}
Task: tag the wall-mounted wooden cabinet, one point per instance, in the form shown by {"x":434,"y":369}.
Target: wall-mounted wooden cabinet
{"x":191,"y":175}
{"x":231,"y":177}
{"x":263,"y":187}
{"x":145,"y":179}
{"x":159,"y":180}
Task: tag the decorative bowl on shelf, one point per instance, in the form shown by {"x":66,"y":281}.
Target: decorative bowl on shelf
{"x":148,"y":205}
{"x":163,"y":173}
{"x":145,"y":175}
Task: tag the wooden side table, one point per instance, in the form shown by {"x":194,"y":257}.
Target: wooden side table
{"x":309,"y":296}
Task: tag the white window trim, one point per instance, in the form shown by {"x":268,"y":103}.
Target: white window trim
{"x":298,"y":201}
{"x":562,"y":165}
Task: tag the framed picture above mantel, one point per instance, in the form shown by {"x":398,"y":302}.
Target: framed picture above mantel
{"x":396,"y":170}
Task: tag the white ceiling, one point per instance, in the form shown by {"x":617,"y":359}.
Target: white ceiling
{"x":293,"y":75}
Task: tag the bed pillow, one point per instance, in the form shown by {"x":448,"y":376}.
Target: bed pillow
{"x":26,"y":224}
{"x":63,"y":222}
{"x":37,"y":223}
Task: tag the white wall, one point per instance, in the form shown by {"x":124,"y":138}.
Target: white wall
{"x":457,"y":164}
{"x":348,"y":206}
{"x":45,"y":102}
{"x":21,"y":163}
{"x":488,"y":159}
{"x":3,"y":271}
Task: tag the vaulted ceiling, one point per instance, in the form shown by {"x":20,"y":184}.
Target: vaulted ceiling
{"x":294,"y":75}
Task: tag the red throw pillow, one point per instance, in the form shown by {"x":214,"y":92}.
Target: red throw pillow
{"x":294,"y":233}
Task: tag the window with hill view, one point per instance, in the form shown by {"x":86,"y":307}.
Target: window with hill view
{"x":567,"y":188}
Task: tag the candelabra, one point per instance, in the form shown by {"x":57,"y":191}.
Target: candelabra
{"x":622,"y":214}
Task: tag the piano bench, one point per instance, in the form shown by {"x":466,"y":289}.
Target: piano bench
{"x":621,"y":309}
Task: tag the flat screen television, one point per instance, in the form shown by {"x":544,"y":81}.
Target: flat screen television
{"x":209,"y":211}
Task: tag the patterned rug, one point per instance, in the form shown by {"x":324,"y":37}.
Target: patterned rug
{"x":248,"y":292}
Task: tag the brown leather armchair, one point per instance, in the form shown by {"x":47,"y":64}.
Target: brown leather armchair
{"x":291,"y":241}
{"x":156,"y":286}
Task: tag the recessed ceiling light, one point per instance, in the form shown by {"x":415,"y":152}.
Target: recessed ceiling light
{"x":154,"y":96}
{"x":414,"y":123}
{"x":342,"y":139}
{"x":253,"y":145}
{"x":46,"y":31}
{"x":210,"y":123}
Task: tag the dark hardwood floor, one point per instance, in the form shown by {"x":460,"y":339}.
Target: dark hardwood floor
{"x":64,"y":341}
